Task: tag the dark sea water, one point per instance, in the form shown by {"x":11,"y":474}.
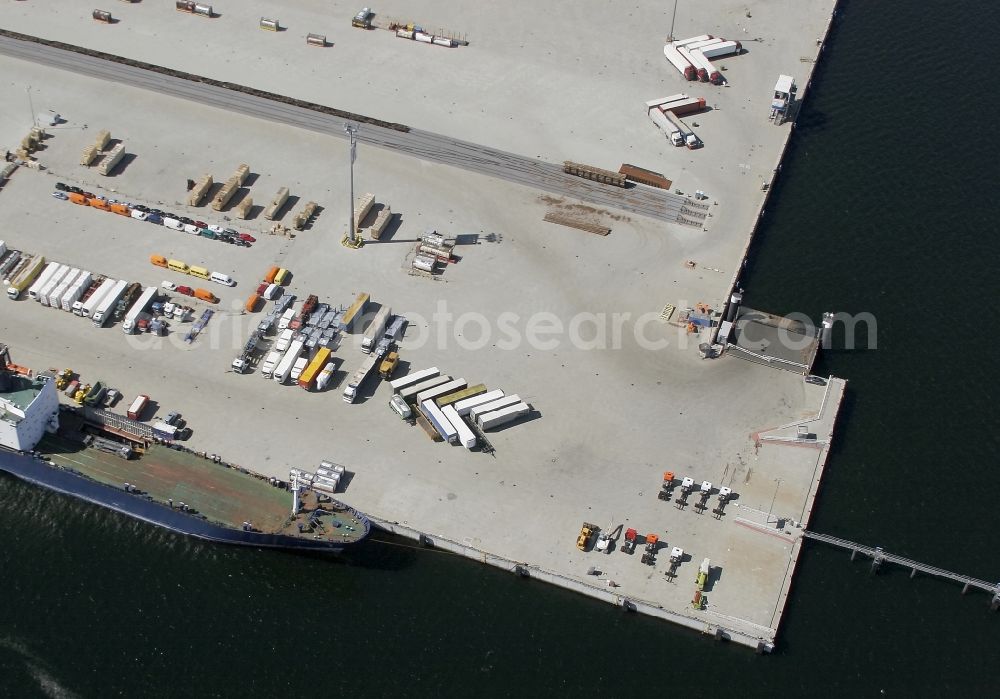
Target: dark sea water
{"x":886,"y":205}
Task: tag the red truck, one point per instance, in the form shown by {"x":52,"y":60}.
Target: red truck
{"x":138,"y":406}
{"x":307,"y":308}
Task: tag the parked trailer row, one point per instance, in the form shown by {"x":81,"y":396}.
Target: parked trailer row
{"x":437,"y":419}
{"x":409,"y":394}
{"x":441,"y":390}
{"x":497,"y":418}
{"x":138,"y":308}
{"x":463,"y":407}
{"x":102,"y":314}
{"x":45,"y":297}
{"x":24,"y":275}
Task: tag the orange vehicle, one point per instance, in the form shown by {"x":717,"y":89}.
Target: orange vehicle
{"x":158,"y":260}
{"x":205,"y":295}
{"x":271,"y":274}
{"x":252,"y":303}
{"x":121,"y":210}
{"x":78,"y":198}
{"x":100,"y":204}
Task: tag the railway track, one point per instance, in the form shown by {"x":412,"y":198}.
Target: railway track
{"x":424,"y":145}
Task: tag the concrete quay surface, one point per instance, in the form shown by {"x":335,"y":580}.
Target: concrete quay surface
{"x":619,"y":395}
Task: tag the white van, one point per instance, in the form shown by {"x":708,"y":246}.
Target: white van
{"x":224,"y":279}
{"x":191,"y":228}
{"x":139,"y":215}
{"x":272,"y":292}
{"x":173,"y":223}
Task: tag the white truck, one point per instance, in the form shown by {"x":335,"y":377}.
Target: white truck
{"x":138,"y":308}
{"x":269,"y":363}
{"x":373,"y":333}
{"x":92,"y":304}
{"x":351,"y":392}
{"x":77,"y":290}
{"x":679,"y":133}
{"x":284,"y":368}
{"x":106,"y":310}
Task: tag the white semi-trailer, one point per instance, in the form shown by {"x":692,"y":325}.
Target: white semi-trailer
{"x":351,"y":391}
{"x":466,"y":437}
{"x":138,"y":308}
{"x":42,"y":280}
{"x":463,"y":407}
{"x":373,"y":333}
{"x":74,"y":293}
{"x":412,"y":378}
{"x":488,"y":421}
{"x":106,"y":310}
{"x":284,"y":368}
{"x":52,"y":283}
{"x":55,"y":296}
{"x":94,"y":302}
{"x":439,"y":421}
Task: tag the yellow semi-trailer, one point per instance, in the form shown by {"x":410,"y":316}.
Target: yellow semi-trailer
{"x":25,"y":276}
{"x":312,"y":370}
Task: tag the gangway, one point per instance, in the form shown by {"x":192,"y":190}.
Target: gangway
{"x":878,"y":556}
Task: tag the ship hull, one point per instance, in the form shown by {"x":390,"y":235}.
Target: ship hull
{"x":68,"y":482}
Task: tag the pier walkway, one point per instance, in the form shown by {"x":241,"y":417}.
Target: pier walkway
{"x":879,"y":557}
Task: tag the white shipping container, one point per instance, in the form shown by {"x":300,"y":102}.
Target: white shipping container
{"x":489,"y":421}
{"x":466,"y":437}
{"x":324,"y":376}
{"x":504,"y":402}
{"x":463,"y":407}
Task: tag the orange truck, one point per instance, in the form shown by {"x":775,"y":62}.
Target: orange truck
{"x":121,"y":210}
{"x":252,"y":303}
{"x":80,"y":199}
{"x":205,"y":295}
{"x":271,"y":274}
{"x":99,"y":204}
{"x":158,"y":260}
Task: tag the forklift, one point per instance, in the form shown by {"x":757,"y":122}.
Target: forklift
{"x":630,"y":536}
{"x":652,"y":542}
{"x":667,"y":489}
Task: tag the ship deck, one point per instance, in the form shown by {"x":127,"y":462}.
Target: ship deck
{"x":224,"y":495}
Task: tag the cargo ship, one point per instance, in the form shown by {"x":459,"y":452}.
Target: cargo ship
{"x":207,"y":500}
{"x":107,"y":459}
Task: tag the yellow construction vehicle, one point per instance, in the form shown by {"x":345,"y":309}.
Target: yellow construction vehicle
{"x":388,"y":365}
{"x":63,"y":378}
{"x":81,"y":394}
{"x":586,"y":531}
